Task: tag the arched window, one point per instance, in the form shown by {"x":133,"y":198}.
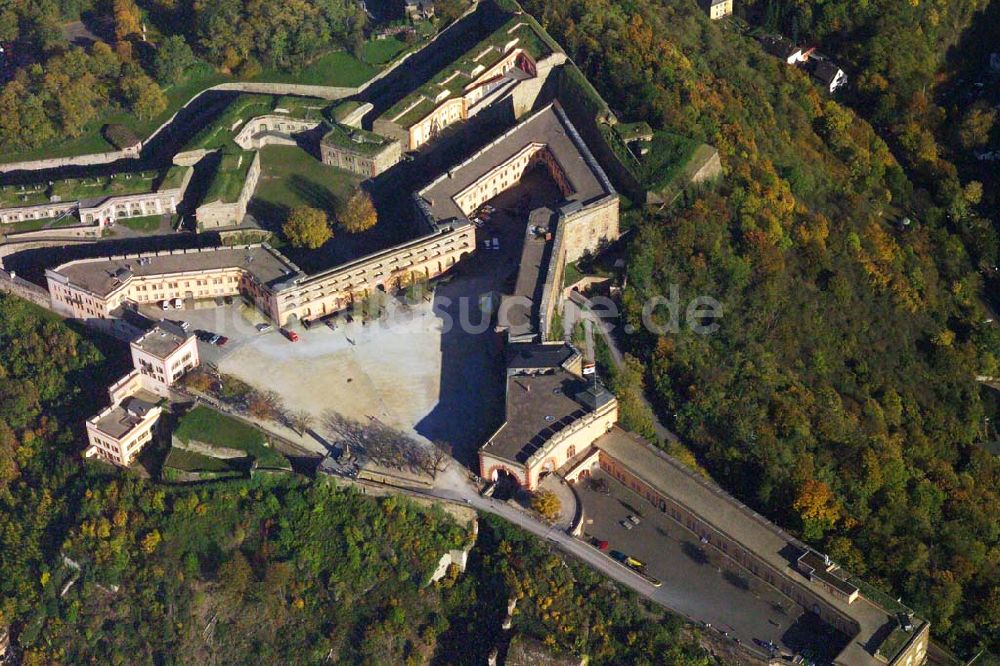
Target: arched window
{"x":570,"y":452}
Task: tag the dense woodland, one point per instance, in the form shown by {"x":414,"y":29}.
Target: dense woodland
{"x":56,"y":89}
{"x":838,"y":396}
{"x":99,"y":567}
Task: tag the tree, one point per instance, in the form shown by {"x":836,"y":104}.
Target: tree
{"x":301,"y":420}
{"x":235,"y":575}
{"x":546,"y":503}
{"x":142,"y":94}
{"x":307,"y":227}
{"x":173,"y":57}
{"x":449,"y":10}
{"x":128,"y":20}
{"x":975,"y":128}
{"x":359,"y":213}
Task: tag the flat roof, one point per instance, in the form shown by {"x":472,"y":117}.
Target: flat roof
{"x":454,"y":77}
{"x":549,"y":127}
{"x":102,"y":276}
{"x":121,"y":419}
{"x":726,"y":514}
{"x":533,"y":355}
{"x":538,"y":406}
{"x":161,"y":342}
{"x":520,"y":320}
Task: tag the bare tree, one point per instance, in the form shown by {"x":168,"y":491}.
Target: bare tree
{"x":301,"y":420}
{"x":385,"y":445}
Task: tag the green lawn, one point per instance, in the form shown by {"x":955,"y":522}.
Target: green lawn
{"x":292,"y":177}
{"x":211,"y":427}
{"x":338,"y":68}
{"x":382,"y":51}
{"x":189,"y":461}
{"x":27,"y":225}
{"x":146,"y":223}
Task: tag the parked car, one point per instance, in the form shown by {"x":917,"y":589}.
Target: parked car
{"x":291,"y":335}
{"x":599,"y":544}
{"x":486,"y":246}
{"x":178,"y":303}
{"x":496,"y":243}
{"x":222,"y":340}
{"x":263,"y":327}
{"x":166,"y":305}
{"x":634,"y":563}
{"x":214,"y":340}
{"x":626,"y":524}
{"x":634,"y":519}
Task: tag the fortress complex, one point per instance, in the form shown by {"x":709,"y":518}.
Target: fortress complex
{"x":586,"y":218}
{"x":160,"y":356}
{"x":99,"y":200}
{"x":95,"y":290}
{"x":519,"y":51}
{"x":558,"y":421}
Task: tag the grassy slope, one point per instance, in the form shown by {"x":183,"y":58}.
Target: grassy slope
{"x":292,"y":177}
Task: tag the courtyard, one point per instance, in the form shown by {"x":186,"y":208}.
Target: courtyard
{"x":429,"y":364}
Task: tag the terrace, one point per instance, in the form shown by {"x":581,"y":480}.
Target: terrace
{"x":357,"y":140}
{"x":454,"y":78}
{"x":97,"y":187}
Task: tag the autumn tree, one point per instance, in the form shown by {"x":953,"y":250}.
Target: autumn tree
{"x":143,"y":96}
{"x":359,"y":213}
{"x":546,"y":503}
{"x":307,"y":227}
{"x":974,"y":130}
{"x":235,"y":576}
{"x":818,"y":508}
{"x":128,"y":19}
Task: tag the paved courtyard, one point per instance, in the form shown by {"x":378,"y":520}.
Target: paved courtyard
{"x":694,"y":583}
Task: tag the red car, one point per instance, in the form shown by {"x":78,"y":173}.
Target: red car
{"x":291,"y":335}
{"x":222,"y":340}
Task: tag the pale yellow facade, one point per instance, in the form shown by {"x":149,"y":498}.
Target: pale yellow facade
{"x":554,"y":453}
{"x":162,"y":372}
{"x":720,"y":8}
{"x":120,"y":449}
{"x":297,"y":298}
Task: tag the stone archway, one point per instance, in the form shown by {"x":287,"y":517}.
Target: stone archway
{"x":507,"y":482}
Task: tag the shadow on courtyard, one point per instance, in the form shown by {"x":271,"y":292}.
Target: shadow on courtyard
{"x":471,"y":397}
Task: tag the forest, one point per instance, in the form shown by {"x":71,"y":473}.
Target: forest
{"x":53,"y":89}
{"x":839,"y":395}
{"x":920,"y":72}
{"x":102,"y":567}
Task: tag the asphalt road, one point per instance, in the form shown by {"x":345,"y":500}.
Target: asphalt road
{"x":454,"y":485}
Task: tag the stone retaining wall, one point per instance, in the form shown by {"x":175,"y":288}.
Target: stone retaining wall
{"x":11,"y":284}
{"x":77,"y":160}
{"x":89,"y":231}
